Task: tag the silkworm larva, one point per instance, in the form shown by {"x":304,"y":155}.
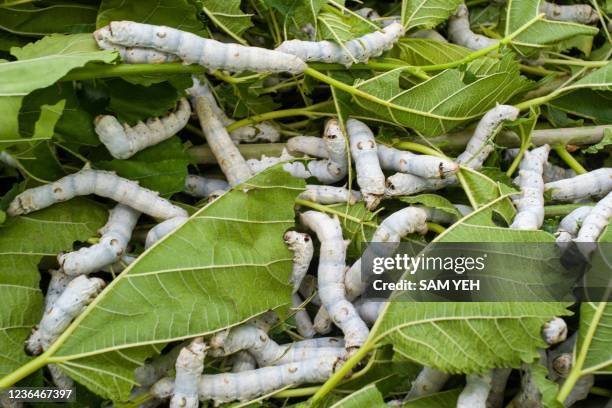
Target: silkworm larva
{"x":335,"y":167}
{"x":8,"y":160}
{"x":57,"y":284}
{"x":162,"y":229}
{"x":248,"y":385}
{"x":189,"y":367}
{"x":459,"y":31}
{"x":193,"y":49}
{"x":554,"y":331}
{"x":357,"y":50}
{"x":301,"y":245}
{"x":593,"y":225}
{"x":329,"y":194}
{"x":552,"y":172}
{"x":569,"y":226}
{"x":259,"y":165}
{"x":476,"y":391}
{"x":578,"y":13}
{"x":330,"y":275}
{"x":115,"y":236}
{"x":132,"y":55}
{"x":322,"y":321}
{"x":199,"y":186}
{"x":592,"y":184}
{"x":530,"y":204}
{"x":369,"y":310}
{"x":429,"y":381}
{"x":308,"y":288}
{"x":437,"y":215}
{"x":303,"y":323}
{"x":124,"y":141}
{"x":400,"y":184}
{"x":103,"y":183}
{"x":309,"y":145}
{"x":225,"y":151}
{"x":499,"y":379}
{"x":370,"y":177}
{"x":60,"y":379}
{"x":419,"y":165}
{"x":297,"y":169}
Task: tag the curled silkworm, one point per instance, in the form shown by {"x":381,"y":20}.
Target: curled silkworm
{"x":193,"y":49}
{"x":303,"y":322}
{"x":476,"y":391}
{"x":162,"y":229}
{"x":592,"y":184}
{"x":570,"y":225}
{"x":189,"y":367}
{"x":370,"y":177}
{"x":329,"y":194}
{"x":301,"y":245}
{"x":357,"y":50}
{"x":330,"y":275}
{"x":132,"y":55}
{"x":369,"y":310}
{"x":115,"y":236}
{"x":419,"y":165}
{"x":554,"y":331}
{"x":594,"y":224}
{"x":335,"y":167}
{"x":103,"y":183}
{"x":199,"y":186}
{"x":578,"y":13}
{"x":123,"y":141}
{"x":429,"y":381}
{"x":530,"y":203}
{"x":459,"y":31}
{"x":308,"y":145}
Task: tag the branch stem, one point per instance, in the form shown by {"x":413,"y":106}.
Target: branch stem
{"x":569,"y":159}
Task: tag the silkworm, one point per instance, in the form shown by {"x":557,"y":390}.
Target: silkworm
{"x":593,"y":225}
{"x":124,"y":141}
{"x":578,"y":13}
{"x":437,"y":215}
{"x":242,"y":361}
{"x":551,"y":172}
{"x":115,"y":236}
{"x":57,"y":284}
{"x":162,"y":229}
{"x":329,"y":194}
{"x":259,"y":165}
{"x":592,"y":184}
{"x":330,"y":275}
{"x":370,"y":177}
{"x":225,"y":151}
{"x":103,"y":183}
{"x":357,"y":50}
{"x":8,"y":160}
{"x":569,"y":226}
{"x":308,"y":290}
{"x":369,"y":310}
{"x":297,"y":169}
{"x":301,"y":245}
{"x":499,"y":379}
{"x":335,"y":167}
{"x":308,"y":145}
{"x":459,"y":31}
{"x":554,"y":331}
{"x":419,"y":165}
{"x":530,"y":204}
{"x":132,"y":55}
{"x":248,"y":385}
{"x":189,"y":367}
{"x":209,"y":53}
{"x":429,"y":381}
{"x":303,"y":322}
{"x":476,"y":391}
{"x":199,"y":186}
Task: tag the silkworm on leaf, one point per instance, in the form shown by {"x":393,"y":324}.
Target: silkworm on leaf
{"x":357,"y":50}
{"x":115,"y":236}
{"x":429,"y":381}
{"x":192,"y":49}
{"x":329,"y":194}
{"x":225,"y":151}
{"x":309,"y":145}
{"x":578,"y":13}
{"x":459,"y":31}
{"x":419,"y":165}
{"x":248,"y":385}
{"x":530,"y":204}
{"x":476,"y":391}
{"x":595,"y":183}
{"x":301,"y":245}
{"x":370,"y":178}
{"x":162,"y":229}
{"x":79,"y":293}
{"x":124,"y":141}
{"x":330,"y":275}
{"x":593,"y":225}
{"x":199,"y":186}
{"x":400,"y":184}
{"x":303,"y":323}
{"x":132,"y":55}
{"x":103,"y":183}
{"x":335,"y":167}
{"x":189,"y":367}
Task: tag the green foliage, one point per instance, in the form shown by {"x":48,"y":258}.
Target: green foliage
{"x":227,"y":16}
{"x":34,"y":20}
{"x":432,"y":201}
{"x":427,"y":13}
{"x":422,"y":51}
{"x":297,"y":14}
{"x":445,"y":399}
{"x":587,"y":104}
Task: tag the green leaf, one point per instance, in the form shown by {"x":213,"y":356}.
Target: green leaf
{"x":65,"y":18}
{"x":359,"y":233}
{"x":23,"y":243}
{"x":368,"y":396}
{"x":49,"y":115}
{"x":172,"y":291}
{"x":427,"y":13}
{"x":297,"y":13}
{"x":481,"y":190}
{"x":422,"y":51}
{"x":587,"y":103}
{"x":445,"y":399}
{"x":445,"y":101}
{"x":39,"y":162}
{"x":41,"y":64}
{"x":341,"y":27}
{"x":228,"y":16}
{"x":432,"y":201}
{"x":595,"y":344}
{"x":603,"y":143}
{"x":548,"y":389}
{"x":598,"y":79}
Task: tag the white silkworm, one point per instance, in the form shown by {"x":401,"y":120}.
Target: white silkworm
{"x":578,"y":13}
{"x":357,"y":50}
{"x":199,"y":186}
{"x":335,"y":167}
{"x":308,"y":290}
{"x":301,"y":245}
{"x":189,"y":367}
{"x":429,"y":381}
{"x":570,"y":225}
{"x":551,"y":172}
{"x":459,"y":31}
{"x":60,"y":379}
{"x":124,"y":141}
{"x":330,"y":274}
{"x":242,"y":361}
{"x":259,"y":165}
{"x":419,"y":165}
{"x":248,"y":385}
{"x":303,"y":323}
{"x":57,"y":284}
{"x":132,"y":55}
{"x":400,"y":184}
{"x":8,"y":160}
{"x":369,"y":310}
{"x":530,"y":204}
{"x":309,"y":145}
{"x":322,"y":321}
{"x":593,"y":225}
{"x":438,"y":216}
{"x":115,"y":236}
{"x":147,"y":374}
{"x":162,"y":229}
{"x":476,"y":391}
{"x":370,"y":177}
{"x":297,"y":169}
{"x":103,"y":183}
{"x":554,"y":331}
{"x":193,"y":49}
{"x":561,"y":364}
{"x":225,"y":151}
{"x":592,"y":184}
{"x":499,"y":379}
{"x":78,"y":294}
{"x":329,"y":194}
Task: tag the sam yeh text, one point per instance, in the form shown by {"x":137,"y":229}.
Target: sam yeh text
{"x":428,"y":284}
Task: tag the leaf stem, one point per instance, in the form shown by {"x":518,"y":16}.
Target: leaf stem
{"x":307,"y":111}
{"x":25,"y":370}
{"x":569,"y":159}
{"x":419,"y":148}
{"x":562,"y":209}
{"x":109,"y":71}
{"x":296,"y":392}
{"x":580,"y":63}
{"x":329,"y":210}
{"x":437,"y":228}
